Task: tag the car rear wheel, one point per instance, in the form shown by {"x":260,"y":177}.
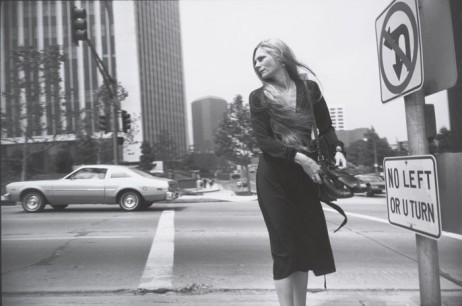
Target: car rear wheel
{"x":130,"y":201}
{"x":33,"y":201}
{"x":59,"y":207}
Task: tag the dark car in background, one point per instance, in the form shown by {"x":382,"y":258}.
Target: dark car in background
{"x":371,"y":184}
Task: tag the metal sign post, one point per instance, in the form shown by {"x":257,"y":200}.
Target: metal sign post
{"x":427,"y":249}
{"x":416,"y":54}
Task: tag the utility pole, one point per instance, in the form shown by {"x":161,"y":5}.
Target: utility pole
{"x":376,"y":165}
{"x":111,"y":86}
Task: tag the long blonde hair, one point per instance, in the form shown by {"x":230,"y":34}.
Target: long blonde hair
{"x":290,"y":126}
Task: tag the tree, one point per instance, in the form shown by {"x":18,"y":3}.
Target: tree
{"x":165,"y":146}
{"x":361,"y":152}
{"x":35,"y":106}
{"x":235,"y":139}
{"x":87,"y":150}
{"x":147,"y":157}
{"x":93,"y":147}
{"x":106,"y":102}
{"x":64,"y":161}
{"x":444,"y":141}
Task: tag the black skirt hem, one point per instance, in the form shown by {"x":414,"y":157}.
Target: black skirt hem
{"x":316,"y":273}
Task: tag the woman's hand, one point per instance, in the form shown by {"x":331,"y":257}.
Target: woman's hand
{"x":309,"y":166}
{"x":340,"y":160}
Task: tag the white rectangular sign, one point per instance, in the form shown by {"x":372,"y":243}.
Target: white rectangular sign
{"x":412,"y":194}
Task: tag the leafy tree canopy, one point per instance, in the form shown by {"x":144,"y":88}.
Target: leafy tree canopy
{"x":235,"y":139}
{"x":443,"y":141}
{"x":165,"y":146}
{"x":362,"y":152}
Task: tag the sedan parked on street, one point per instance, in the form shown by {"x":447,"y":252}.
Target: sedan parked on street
{"x":370,"y":184}
{"x":131,"y":188}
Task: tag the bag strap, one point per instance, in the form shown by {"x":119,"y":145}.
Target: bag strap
{"x":315,"y":127}
{"x":320,"y":158}
{"x":340,"y":211}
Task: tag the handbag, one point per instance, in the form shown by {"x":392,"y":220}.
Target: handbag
{"x":336,"y":183}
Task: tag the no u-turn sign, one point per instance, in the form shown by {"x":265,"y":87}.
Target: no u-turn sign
{"x":399,"y":49}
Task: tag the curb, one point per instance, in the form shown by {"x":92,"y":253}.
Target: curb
{"x":7,"y":203}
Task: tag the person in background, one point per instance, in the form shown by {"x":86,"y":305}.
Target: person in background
{"x":340,"y":160}
{"x":282,"y":113}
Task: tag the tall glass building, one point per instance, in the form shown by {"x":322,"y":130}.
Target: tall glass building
{"x":150,"y":65}
{"x":40,"y":24}
{"x":207,"y":113}
{"x":138,"y":41}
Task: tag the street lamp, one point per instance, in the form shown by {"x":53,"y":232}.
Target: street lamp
{"x":374,"y":144}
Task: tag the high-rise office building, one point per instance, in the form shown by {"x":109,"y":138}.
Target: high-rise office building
{"x":138,"y":41}
{"x":39,"y":25}
{"x":150,"y":65}
{"x":207,"y":113}
{"x":337,"y":114}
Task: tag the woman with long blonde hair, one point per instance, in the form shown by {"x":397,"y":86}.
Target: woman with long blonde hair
{"x":282,"y":112}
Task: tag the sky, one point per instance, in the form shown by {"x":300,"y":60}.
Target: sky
{"x":336,"y":38}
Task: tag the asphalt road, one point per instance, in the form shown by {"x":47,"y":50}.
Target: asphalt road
{"x":200,"y":247}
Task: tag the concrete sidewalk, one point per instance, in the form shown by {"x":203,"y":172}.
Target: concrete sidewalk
{"x":217,"y":193}
{"x":229,"y":298}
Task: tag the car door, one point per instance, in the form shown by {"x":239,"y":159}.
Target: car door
{"x":85,"y":186}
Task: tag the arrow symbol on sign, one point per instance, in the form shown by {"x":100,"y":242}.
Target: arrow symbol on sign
{"x":391,"y":42}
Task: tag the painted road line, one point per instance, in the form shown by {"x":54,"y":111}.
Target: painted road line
{"x":106,"y":218}
{"x":66,"y":238}
{"x":446,"y":234}
{"x":158,"y":272}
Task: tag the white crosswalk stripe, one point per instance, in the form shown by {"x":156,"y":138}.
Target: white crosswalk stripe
{"x":159,"y":265}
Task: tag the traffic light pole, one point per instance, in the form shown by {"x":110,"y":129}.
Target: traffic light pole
{"x":111,"y":86}
{"x":79,"y":33}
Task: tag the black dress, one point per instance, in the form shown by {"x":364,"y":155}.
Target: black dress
{"x":287,"y":197}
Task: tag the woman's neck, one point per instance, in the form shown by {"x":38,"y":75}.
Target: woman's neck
{"x":283,"y":81}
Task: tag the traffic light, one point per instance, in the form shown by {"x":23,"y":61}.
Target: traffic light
{"x":120,"y":140}
{"x":102,"y":123}
{"x":79,"y":24}
{"x":126,"y":122}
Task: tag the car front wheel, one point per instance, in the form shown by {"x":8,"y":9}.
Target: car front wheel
{"x":33,"y":201}
{"x":130,"y":201}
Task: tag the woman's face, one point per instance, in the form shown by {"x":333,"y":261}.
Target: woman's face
{"x":266,"y":65}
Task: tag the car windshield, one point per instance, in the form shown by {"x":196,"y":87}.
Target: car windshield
{"x":371,"y":179}
{"x":141,"y":172}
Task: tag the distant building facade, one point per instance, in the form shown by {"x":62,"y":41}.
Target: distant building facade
{"x":41,"y":24}
{"x":138,"y":41}
{"x":207,"y":113}
{"x":337,"y":114}
{"x":57,"y":115}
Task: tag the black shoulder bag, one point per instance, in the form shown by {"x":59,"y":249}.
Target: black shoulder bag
{"x":336,"y":183}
